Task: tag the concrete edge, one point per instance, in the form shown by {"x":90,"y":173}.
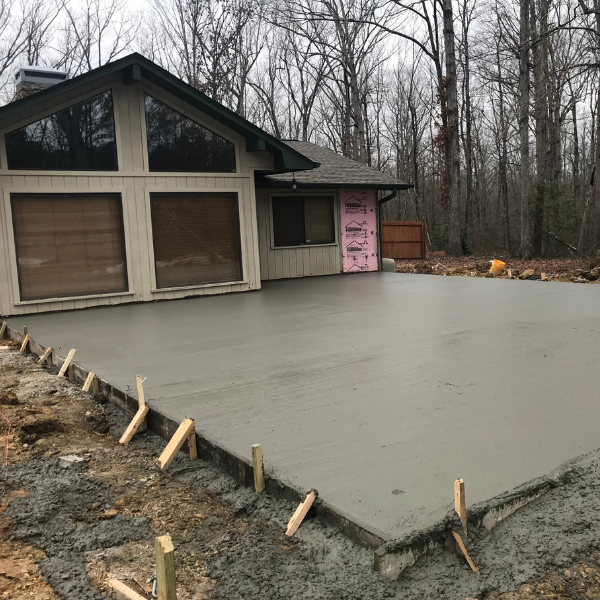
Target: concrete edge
{"x":236,"y":466}
{"x":393,"y":557}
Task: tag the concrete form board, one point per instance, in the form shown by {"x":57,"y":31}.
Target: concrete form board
{"x":379,"y":390}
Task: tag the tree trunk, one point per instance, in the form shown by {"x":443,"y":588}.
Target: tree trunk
{"x":525,"y":249}
{"x":454,"y":241}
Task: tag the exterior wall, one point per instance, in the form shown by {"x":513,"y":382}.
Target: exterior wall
{"x":299,"y":261}
{"x":135,"y":183}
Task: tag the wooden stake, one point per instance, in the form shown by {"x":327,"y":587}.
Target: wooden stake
{"x":300,"y":513}
{"x":67,"y":362}
{"x":183,"y":433}
{"x":138,"y":419}
{"x":124,"y":590}
{"x":140,"y":389}
{"x":47,"y":353}
{"x":257,"y":464}
{"x":88,"y":382}
{"x":71,"y":373}
{"x":2,"y":330}
{"x":192,"y":446}
{"x":25,"y":331}
{"x":165,"y":568}
{"x":25,"y":344}
{"x":460,"y":505}
{"x":96,"y":385}
{"x":509,"y":273}
{"x":543,"y":277}
{"x":465,"y":553}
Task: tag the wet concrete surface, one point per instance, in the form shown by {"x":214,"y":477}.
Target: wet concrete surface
{"x":379,"y":390}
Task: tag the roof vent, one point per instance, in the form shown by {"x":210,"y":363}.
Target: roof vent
{"x":30,"y":80}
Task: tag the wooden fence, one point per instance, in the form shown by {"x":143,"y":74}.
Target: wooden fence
{"x":403,"y":239}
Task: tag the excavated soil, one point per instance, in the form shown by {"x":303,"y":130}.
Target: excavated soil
{"x":582,"y":270}
{"x":68,"y":526}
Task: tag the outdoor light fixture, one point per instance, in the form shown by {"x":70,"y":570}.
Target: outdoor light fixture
{"x":294,"y":184}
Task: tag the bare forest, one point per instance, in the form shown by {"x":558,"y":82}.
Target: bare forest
{"x":491,"y":109}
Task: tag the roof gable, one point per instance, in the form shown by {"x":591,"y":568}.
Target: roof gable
{"x":134,"y":67}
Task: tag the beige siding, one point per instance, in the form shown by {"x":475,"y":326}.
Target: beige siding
{"x":303,"y":261}
{"x":134,"y":183}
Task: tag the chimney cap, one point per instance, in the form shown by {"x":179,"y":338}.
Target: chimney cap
{"x":45,"y":75}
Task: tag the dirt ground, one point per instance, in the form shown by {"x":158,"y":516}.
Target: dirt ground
{"x":563,"y":269}
{"x":68,"y":526}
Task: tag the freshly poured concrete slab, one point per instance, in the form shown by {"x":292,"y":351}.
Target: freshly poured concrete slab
{"x":379,"y":390}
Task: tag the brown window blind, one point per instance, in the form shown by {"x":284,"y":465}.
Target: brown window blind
{"x":318,"y":220}
{"x":69,"y":245}
{"x":196,"y":239}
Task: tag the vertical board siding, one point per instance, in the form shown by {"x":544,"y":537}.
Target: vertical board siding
{"x":283,"y":263}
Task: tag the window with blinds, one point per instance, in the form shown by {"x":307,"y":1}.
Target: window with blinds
{"x":196,"y":239}
{"x":303,"y":220}
{"x":69,"y":244}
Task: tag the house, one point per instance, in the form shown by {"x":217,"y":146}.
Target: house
{"x":127,"y":185}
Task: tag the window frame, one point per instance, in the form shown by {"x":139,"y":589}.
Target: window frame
{"x":314,"y":192}
{"x":199,"y":118}
{"x":244,"y":267}
{"x":13,"y":265}
{"x":39,"y":115}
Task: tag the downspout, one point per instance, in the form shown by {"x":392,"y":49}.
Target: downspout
{"x":385,"y":199}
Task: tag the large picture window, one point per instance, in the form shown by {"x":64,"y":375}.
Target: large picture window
{"x":303,"y":220}
{"x":176,"y":143}
{"x":78,"y":138}
{"x":196,"y":239}
{"x":69,"y":245}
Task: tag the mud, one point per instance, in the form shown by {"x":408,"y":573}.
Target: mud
{"x":59,"y":516}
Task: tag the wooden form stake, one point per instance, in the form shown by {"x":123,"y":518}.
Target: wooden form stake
{"x":2,"y":330}
{"x":71,"y":373}
{"x":543,"y":277}
{"x":95,"y":385}
{"x":124,"y":590}
{"x":67,"y":362}
{"x":300,"y":513}
{"x":257,"y":464}
{"x":46,"y":355}
{"x":184,"y":432}
{"x":165,"y":568}
{"x":509,"y":273}
{"x":461,"y":545}
{"x":460,"y":505}
{"x":25,"y":331}
{"x":25,"y":344}
{"x":140,"y":415}
{"x":88,"y":382}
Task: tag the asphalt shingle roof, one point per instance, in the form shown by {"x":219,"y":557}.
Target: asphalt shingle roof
{"x":334,"y":171}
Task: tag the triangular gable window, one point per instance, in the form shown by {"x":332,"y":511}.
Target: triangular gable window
{"x":176,"y":143}
{"x":78,"y":138}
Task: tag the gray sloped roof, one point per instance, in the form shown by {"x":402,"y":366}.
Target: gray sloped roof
{"x":335,"y":171}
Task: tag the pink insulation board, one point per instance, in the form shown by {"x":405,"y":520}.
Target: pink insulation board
{"x":359,"y":230}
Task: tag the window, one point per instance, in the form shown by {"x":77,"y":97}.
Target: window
{"x":69,"y":244}
{"x":196,"y":239}
{"x":176,"y":143}
{"x":78,"y":138}
{"x":298,"y":220}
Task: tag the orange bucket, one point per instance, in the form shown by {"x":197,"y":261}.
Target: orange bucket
{"x":497,"y":268}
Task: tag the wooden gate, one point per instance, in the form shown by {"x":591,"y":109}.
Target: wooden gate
{"x":403,"y":239}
